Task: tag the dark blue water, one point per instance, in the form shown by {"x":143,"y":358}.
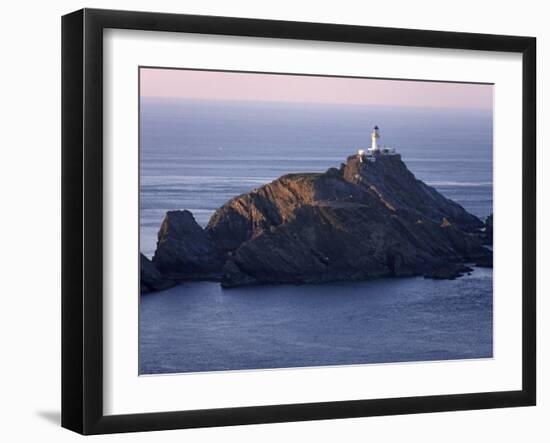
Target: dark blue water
{"x":197,"y":155}
{"x":201,"y":327}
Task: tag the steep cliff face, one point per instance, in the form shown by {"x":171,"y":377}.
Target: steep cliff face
{"x":362,"y":221}
{"x":365,"y":220}
{"x":390,"y":178}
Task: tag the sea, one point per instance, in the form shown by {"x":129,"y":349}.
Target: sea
{"x":196,"y":155}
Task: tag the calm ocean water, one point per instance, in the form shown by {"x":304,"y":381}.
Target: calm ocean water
{"x":197,"y":155}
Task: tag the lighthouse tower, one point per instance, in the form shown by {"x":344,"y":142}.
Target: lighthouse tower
{"x":375,"y":151}
{"x":375,"y":135}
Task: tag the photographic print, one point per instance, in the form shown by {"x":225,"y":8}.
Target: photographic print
{"x":291,"y":221}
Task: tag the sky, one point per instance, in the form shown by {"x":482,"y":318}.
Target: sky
{"x":239,"y":86}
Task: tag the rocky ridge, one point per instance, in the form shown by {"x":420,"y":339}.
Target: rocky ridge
{"x":361,"y":221}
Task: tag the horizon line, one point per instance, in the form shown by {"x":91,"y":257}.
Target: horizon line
{"x":321,"y":103}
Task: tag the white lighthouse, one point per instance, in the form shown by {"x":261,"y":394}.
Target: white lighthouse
{"x":375,"y":150}
{"x":375,"y":135}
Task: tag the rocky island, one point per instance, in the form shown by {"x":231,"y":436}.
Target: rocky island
{"x":370,"y":218}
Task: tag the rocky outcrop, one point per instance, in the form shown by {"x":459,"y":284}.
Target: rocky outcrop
{"x":151,"y":279}
{"x":362,"y":221}
{"x":365,"y":220}
{"x":185,"y":251}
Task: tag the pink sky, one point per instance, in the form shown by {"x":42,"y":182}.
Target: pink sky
{"x":211,"y":85}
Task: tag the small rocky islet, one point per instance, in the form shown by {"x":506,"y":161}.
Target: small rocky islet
{"x":370,"y":218}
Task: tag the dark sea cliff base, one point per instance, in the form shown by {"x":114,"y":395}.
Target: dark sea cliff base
{"x":363,"y":221}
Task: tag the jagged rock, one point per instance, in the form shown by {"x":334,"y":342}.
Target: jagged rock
{"x":185,"y":250}
{"x":150,"y":278}
{"x":366,"y":220}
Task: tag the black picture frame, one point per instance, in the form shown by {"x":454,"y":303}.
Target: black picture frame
{"x":82,"y":218}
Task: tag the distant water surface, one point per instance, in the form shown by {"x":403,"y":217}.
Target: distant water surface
{"x":198,"y":154}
